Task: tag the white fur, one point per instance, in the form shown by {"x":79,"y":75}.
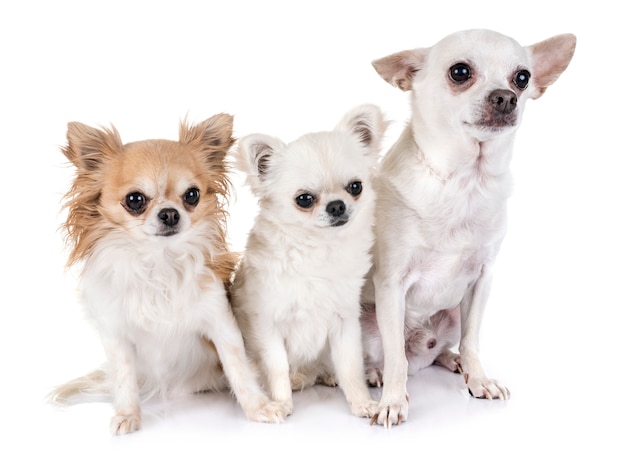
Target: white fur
{"x":296,"y":291}
{"x":156,"y":305}
{"x":150,"y":289}
{"x":442,"y":193}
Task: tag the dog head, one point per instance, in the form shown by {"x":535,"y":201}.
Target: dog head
{"x":319,"y":180}
{"x":152,"y":189}
{"x":476,"y":82}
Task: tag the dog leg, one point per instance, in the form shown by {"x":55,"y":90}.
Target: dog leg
{"x":393,"y":407}
{"x":347,"y":357}
{"x":124,"y":387}
{"x":472,"y":307}
{"x":242,"y":378}
{"x":275,"y":363}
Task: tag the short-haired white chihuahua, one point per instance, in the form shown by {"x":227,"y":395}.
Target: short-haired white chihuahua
{"x":442,"y":192}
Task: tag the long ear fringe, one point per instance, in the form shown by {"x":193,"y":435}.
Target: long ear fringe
{"x":212,"y":138}
{"x":88,"y":149}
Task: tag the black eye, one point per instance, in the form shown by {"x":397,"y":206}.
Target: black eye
{"x":460,"y":73}
{"x":191,"y":196}
{"x":136,"y":202}
{"x":355,"y":188}
{"x":521,"y":79}
{"x":305,"y":200}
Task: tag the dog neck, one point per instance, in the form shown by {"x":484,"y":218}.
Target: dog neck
{"x":447,"y":155}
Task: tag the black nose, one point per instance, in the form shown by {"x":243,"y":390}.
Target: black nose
{"x":336,"y":208}
{"x":169,"y":216}
{"x":503,"y":101}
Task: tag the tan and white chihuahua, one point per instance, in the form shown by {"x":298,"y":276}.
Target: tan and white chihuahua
{"x":147,"y":222}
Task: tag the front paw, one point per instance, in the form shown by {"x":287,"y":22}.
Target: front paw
{"x":481,"y":387}
{"x":391,"y":413}
{"x":121,"y":423}
{"x":374,"y":376}
{"x":270,"y":412}
{"x":450,"y":360}
{"x":364,"y":409}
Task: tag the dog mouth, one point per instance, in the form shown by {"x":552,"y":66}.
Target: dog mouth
{"x":339,"y":222}
{"x":167,"y":231}
{"x":495,"y":124}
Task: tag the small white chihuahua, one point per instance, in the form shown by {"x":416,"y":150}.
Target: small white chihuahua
{"x":443,"y":188}
{"x":296,"y":291}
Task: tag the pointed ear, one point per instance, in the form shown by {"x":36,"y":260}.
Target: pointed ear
{"x":367,"y":124}
{"x":399,"y":69}
{"x":253,"y":157}
{"x":549,"y":59}
{"x":213,"y":136}
{"x":88,"y":148}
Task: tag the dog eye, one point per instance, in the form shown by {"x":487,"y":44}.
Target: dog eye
{"x":521,"y":79}
{"x":460,"y":73}
{"x":355,"y":188}
{"x":305,"y":200}
{"x":192,"y":196}
{"x":136,"y":202}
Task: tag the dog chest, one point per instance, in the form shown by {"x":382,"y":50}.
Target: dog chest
{"x":434,"y":280}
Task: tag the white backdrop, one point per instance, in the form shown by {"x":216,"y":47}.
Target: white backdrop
{"x":556,"y":314}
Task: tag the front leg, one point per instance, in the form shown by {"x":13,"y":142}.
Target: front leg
{"x":241,"y":376}
{"x":393,"y":407}
{"x":124,"y":386}
{"x":347,"y":356}
{"x":472,"y":307}
{"x":271,"y":352}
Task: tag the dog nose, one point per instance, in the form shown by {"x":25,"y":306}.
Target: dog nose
{"x":169,"y":216}
{"x":504,"y":101}
{"x":336,"y":208}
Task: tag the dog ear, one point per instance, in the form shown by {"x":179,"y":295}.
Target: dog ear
{"x":213,"y":136}
{"x":368,"y":124}
{"x":87,"y":147}
{"x":253,"y":156}
{"x":549,"y":59}
{"x":398,"y":69}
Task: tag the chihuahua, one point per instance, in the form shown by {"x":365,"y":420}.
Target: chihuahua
{"x":425,"y":344}
{"x":296,"y":291}
{"x":442,"y":192}
{"x":147,"y":220}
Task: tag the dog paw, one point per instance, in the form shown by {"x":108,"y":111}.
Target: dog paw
{"x":449,"y":360}
{"x":121,"y":424}
{"x":270,"y":412}
{"x":327,"y":379}
{"x":374,"y":376}
{"x":391,"y":414}
{"x":486,"y":388}
{"x":364,"y":409}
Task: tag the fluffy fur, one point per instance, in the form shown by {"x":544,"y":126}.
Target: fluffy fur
{"x":296,"y":291}
{"x":442,"y":191}
{"x":147,"y":223}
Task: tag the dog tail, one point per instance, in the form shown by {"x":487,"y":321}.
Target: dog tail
{"x":93,"y":384}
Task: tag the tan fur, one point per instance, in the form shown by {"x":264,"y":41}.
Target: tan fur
{"x":95,"y":153}
{"x":147,"y":222}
